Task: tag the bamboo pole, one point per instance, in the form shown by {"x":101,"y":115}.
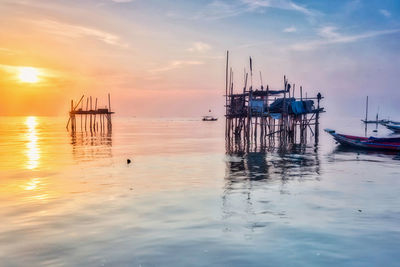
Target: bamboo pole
{"x":319,"y":96}
{"x":72,"y":116}
{"x":81,"y":115}
{"x":109,"y":102}
{"x":109,"y":107}
{"x":226,"y":93}
{"x":95,"y":111}
{"x":91,"y":109}
{"x":87,"y":104}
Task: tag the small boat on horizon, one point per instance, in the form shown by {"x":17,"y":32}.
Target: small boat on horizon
{"x":209,"y":118}
{"x":391,"y":143}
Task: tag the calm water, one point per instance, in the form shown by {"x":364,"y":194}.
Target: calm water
{"x":73,"y":200}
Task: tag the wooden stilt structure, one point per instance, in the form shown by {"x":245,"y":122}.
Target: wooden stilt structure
{"x":258,"y":118}
{"x":102,"y":122}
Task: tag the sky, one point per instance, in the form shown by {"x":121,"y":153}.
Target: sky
{"x":162,"y":58}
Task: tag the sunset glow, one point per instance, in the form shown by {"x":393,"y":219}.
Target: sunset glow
{"x":199,"y":133}
{"x":28,"y":75}
{"x":169,"y":60}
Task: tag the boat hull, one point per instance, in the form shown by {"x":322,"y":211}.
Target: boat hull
{"x":393,"y":127}
{"x":366,"y":143}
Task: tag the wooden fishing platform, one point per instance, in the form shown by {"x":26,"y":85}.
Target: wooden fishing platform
{"x":91,"y":119}
{"x":264,"y":117}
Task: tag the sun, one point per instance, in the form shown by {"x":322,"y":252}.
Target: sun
{"x":28,"y":74}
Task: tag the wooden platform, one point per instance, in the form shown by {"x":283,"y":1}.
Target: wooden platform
{"x":91,"y":119}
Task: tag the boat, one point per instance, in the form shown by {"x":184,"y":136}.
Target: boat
{"x":375,"y":121}
{"x":209,"y":118}
{"x":392,"y":143}
{"x":389,"y":122}
{"x":395,"y":127}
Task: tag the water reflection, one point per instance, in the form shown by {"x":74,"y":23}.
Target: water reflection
{"x":32,"y":147}
{"x":254,"y":182}
{"x":282,"y":163}
{"x":91,"y":145}
{"x":341,"y":150}
{"x":36,"y":189}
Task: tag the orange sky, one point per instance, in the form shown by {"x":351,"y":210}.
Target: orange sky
{"x":166,"y":58}
{"x":78,"y":54}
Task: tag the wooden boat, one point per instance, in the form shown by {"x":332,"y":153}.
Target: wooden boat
{"x":365,"y":142}
{"x":209,"y":118}
{"x":384,"y":122}
{"x":375,"y":121}
{"x":393,"y":126}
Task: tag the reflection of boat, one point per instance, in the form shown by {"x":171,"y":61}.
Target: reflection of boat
{"x":364,"y":142}
{"x":209,"y":118}
{"x":349,"y":149}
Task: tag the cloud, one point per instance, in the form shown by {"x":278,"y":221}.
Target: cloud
{"x":7,"y":51}
{"x":328,"y":32}
{"x":199,"y":47}
{"x":122,"y":1}
{"x":77,"y":31}
{"x":290,"y":29}
{"x":279,"y":4}
{"x":218,"y":9}
{"x":330,"y":36}
{"x":385,"y":13}
{"x":176,"y":64}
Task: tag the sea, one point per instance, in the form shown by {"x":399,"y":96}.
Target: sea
{"x":72,"y":199}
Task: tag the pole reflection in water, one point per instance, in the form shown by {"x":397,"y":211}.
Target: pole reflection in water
{"x":256,"y":181}
{"x":88,"y":146}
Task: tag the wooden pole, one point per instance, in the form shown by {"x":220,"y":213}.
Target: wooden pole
{"x":284,"y":109}
{"x":294,"y":85}
{"x":226,"y":91}
{"x":366,"y":111}
{"x":91,"y":110}
{"x":95,"y":110}
{"x":79,"y":102}
{"x":72,"y":116}
{"x":109,"y":102}
{"x":81,"y":115}
{"x":251,"y":74}
{"x":231,"y":120}
{"x":301,"y":93}
{"x":109,"y":106}
{"x":87,"y":104}
{"x":319,"y":96}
